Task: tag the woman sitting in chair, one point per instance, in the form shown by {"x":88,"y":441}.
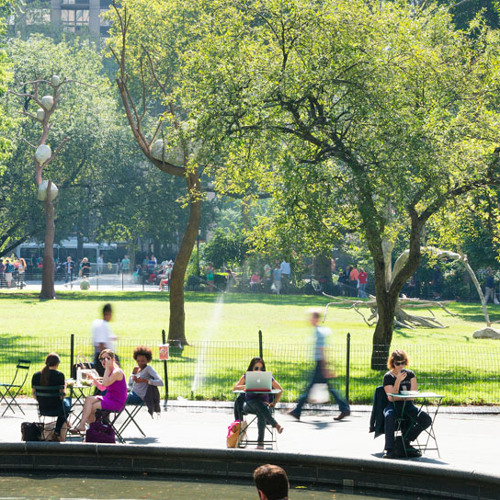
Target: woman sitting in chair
{"x":144,"y":381}
{"x":398,"y":379}
{"x":52,"y":407}
{"x":115,"y":385}
{"x":260,"y":404}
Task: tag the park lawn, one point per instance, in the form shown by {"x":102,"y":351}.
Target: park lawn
{"x":218,"y":323}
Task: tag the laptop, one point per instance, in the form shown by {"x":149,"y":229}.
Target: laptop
{"x":258,"y":381}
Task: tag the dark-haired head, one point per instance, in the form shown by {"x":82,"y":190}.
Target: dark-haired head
{"x":51,"y":361}
{"x":272,"y":481}
{"x":254,"y":361}
{"x":142,"y":350}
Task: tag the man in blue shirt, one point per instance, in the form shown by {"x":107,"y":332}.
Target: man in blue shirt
{"x":321,"y":374}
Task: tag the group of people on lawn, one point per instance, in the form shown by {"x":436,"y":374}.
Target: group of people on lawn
{"x":113,"y":392}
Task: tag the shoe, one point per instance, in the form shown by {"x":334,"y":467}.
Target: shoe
{"x":260,"y":446}
{"x":293,"y":414}
{"x":413,"y":453}
{"x":343,"y":414}
{"x":389,"y":454}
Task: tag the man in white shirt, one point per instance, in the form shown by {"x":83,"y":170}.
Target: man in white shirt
{"x":103,"y":337}
{"x":285,"y":275}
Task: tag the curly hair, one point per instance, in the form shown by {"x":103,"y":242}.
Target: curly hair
{"x":142,"y":350}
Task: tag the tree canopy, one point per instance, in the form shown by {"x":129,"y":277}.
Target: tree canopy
{"x":363,"y":116}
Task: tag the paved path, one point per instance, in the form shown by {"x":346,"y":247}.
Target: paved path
{"x":467,"y":441}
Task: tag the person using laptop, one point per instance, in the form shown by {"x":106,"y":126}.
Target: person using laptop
{"x":258,"y":402}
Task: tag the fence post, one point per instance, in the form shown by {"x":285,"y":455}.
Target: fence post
{"x":122,"y":281}
{"x":72,"y":354}
{"x":261,"y":350}
{"x":165,"y":370}
{"x":347,"y":363}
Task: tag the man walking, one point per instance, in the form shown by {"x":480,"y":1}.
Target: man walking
{"x":321,"y":374}
{"x":103,"y":337}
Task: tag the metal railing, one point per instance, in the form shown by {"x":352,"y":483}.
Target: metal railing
{"x":465,"y":374}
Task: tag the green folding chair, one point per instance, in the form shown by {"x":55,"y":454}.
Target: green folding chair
{"x":10,"y":391}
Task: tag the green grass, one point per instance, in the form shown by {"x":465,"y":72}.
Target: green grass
{"x":223,"y":331}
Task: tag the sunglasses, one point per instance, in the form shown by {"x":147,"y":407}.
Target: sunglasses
{"x":399,"y":363}
{"x":258,"y":368}
{"x":104,"y":359}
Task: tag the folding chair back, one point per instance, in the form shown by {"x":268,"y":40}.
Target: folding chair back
{"x":46,"y":394}
{"x":10,"y":391}
{"x":49,"y":413}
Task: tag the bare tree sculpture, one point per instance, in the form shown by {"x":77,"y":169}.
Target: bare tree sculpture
{"x":43,"y":156}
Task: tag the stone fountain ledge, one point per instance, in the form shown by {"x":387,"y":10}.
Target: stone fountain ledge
{"x":427,"y":479}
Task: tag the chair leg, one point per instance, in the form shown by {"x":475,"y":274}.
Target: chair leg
{"x":13,"y":400}
{"x":130,"y":417}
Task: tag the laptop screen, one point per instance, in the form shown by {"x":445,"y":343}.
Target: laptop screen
{"x":258,"y":381}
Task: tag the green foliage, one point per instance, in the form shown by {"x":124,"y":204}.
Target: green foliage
{"x":225,"y":248}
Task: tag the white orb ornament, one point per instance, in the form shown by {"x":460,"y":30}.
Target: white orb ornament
{"x":159,"y":152}
{"x":55,"y":80}
{"x":40,"y":113}
{"x":47,"y":101}
{"x":42,"y":191}
{"x":157,"y":149}
{"x":43,"y":153}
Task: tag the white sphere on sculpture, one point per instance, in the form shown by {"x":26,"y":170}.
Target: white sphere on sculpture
{"x":47,"y":101}
{"x":159,"y":152}
{"x":42,"y":191}
{"x":43,"y":153}
{"x":157,"y":149}
{"x":55,"y":80}
{"x":40,"y":113}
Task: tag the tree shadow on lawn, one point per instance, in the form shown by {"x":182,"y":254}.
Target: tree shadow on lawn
{"x":229,"y":298}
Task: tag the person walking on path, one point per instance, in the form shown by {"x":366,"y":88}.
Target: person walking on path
{"x":362,"y":279}
{"x":321,"y":374}
{"x":103,"y":337}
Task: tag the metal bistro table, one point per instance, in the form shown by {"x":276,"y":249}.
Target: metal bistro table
{"x":243,"y":441}
{"x":430,"y":433}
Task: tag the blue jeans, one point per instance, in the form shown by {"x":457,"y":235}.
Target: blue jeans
{"x":319,"y":378}
{"x":133,"y":399}
{"x":264,"y":415}
{"x":419,"y":421}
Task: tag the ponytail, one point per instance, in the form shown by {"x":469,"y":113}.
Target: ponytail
{"x":51,"y":360}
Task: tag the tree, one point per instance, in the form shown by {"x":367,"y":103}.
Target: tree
{"x":386,"y":108}
{"x":147,"y":39}
{"x":59,"y":90}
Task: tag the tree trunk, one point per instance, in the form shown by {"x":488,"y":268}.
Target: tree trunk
{"x":48,"y":291}
{"x":176,"y":327}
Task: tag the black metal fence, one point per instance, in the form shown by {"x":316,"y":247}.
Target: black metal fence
{"x":465,"y":374}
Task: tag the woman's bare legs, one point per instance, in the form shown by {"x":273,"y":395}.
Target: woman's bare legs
{"x":92,"y":403}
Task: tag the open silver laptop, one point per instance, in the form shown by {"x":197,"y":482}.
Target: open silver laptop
{"x":258,"y":381}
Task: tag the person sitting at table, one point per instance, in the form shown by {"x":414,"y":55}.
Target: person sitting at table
{"x":144,"y":381}
{"x":115,"y":385}
{"x":398,"y":379}
{"x":260,"y":404}
{"x":53,"y":407}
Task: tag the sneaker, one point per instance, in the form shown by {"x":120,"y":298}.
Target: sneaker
{"x":389,"y":454}
{"x":343,"y":414}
